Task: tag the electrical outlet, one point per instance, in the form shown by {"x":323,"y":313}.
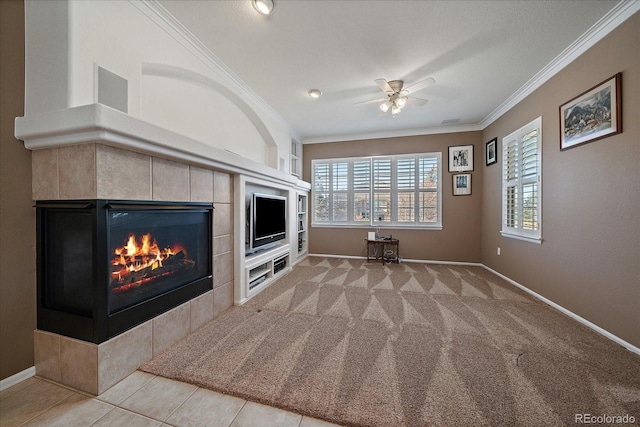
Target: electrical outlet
{"x":498,"y":250}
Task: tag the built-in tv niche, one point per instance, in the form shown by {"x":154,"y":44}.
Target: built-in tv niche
{"x":266,"y":219}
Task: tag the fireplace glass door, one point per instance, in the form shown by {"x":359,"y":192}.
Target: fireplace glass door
{"x":154,"y":251}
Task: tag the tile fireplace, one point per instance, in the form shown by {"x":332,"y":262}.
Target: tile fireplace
{"x":106,"y":266}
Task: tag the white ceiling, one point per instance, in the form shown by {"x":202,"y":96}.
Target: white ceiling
{"x":481,"y":54}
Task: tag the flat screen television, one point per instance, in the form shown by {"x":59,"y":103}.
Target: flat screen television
{"x":267,"y":220}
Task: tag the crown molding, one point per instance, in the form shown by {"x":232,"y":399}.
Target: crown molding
{"x":392,"y":134}
{"x":616,"y":16}
{"x":172,"y":26}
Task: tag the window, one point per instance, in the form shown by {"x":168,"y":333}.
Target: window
{"x":402,"y":190}
{"x":522,"y":183}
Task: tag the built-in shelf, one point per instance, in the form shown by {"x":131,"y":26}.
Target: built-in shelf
{"x":264,"y":267}
{"x":302,"y":222}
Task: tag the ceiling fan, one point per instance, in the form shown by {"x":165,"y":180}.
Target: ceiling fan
{"x":397,"y":96}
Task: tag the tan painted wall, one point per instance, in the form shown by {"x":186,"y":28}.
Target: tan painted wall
{"x":17,"y":216}
{"x":459,"y":240}
{"x":589,"y":261}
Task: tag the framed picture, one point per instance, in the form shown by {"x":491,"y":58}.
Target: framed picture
{"x":491,"y":153}
{"x":461,"y":158}
{"x":594,"y":114}
{"x":462,"y":184}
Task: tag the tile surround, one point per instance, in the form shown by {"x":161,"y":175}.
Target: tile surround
{"x":88,"y":171}
{"x":170,"y":180}
{"x":94,"y":368}
{"x":171,"y":327}
{"x":47,"y":355}
{"x":223,"y":298}
{"x":44,"y":174}
{"x":79,"y":364}
{"x":201,"y":310}
{"x":201,"y":184}
{"x":122,"y":174}
{"x":77,"y":171}
{"x":122,"y":355}
{"x":222,"y":187}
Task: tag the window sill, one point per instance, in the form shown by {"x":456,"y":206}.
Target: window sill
{"x":537,"y":240}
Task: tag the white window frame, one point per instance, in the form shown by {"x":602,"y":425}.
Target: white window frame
{"x":393,"y":221}
{"x":512,"y":178}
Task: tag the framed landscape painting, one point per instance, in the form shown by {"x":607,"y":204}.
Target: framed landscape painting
{"x":593,"y":114}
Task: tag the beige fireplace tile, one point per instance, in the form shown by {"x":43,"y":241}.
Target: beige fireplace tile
{"x":77,"y":169}
{"x":46,"y":353}
{"x":44,"y":174}
{"x":201,"y":310}
{"x":222,"y":219}
{"x":79,"y":364}
{"x":222,"y":269}
{"x":170,"y":327}
{"x":122,"y":355}
{"x":222,"y":187}
{"x":222,"y":244}
{"x":170,"y":180}
{"x":122,"y":174}
{"x":201,"y":184}
{"x":222,"y":298}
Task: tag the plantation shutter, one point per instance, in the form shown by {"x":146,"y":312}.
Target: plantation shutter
{"x":406,"y":186}
{"x":428,"y":190}
{"x":339,"y":196}
{"x":522,"y":169}
{"x":382,"y":190}
{"x":321,"y":189}
{"x":361,"y":190}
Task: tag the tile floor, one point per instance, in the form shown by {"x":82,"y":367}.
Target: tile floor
{"x":141,"y":399}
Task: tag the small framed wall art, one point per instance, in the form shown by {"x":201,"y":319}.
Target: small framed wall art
{"x":594,"y":114}
{"x":461,"y":158}
{"x":462,"y":184}
{"x":491,"y":152}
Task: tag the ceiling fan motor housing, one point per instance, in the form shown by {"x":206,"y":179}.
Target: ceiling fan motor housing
{"x":396,"y":85}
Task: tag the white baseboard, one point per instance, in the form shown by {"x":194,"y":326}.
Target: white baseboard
{"x":419,"y":261}
{"x":569,"y":313}
{"x":19,"y":377}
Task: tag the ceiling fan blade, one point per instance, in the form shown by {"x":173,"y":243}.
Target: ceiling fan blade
{"x":384,"y":85}
{"x":421,"y":85}
{"x":416,"y":101}
{"x":371,"y":101}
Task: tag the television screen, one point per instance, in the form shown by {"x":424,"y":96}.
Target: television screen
{"x":269,"y":219}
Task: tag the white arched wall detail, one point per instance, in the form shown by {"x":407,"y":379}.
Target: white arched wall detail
{"x":244,"y":143}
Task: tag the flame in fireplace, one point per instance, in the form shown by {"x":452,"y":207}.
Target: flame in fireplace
{"x":135,"y":256}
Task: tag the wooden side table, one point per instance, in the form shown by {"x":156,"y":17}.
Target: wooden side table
{"x":380,"y":248}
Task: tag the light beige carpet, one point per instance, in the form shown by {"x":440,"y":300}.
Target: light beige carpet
{"x":358,"y":343}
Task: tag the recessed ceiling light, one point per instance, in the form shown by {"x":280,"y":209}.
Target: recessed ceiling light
{"x":315,"y":93}
{"x":265,"y":7}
